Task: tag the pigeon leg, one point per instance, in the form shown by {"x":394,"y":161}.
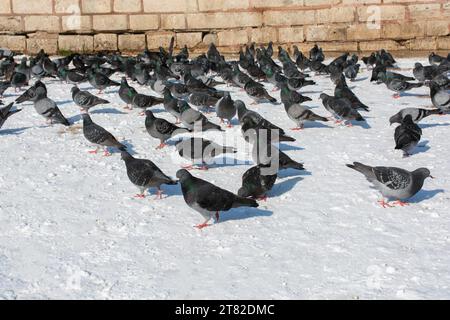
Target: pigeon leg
{"x":204,"y":167}
{"x":262,"y":198}
{"x":189,"y":167}
{"x":100,"y":92}
{"x":127,"y":107}
{"x":217,"y":216}
{"x":106,"y":153}
{"x":159,"y":194}
{"x":140,"y":196}
{"x":203,"y":225}
{"x":229,"y":125}
{"x":221,"y":120}
{"x":396,"y":96}
{"x":384,"y":204}
{"x":161,"y":145}
{"x":349,"y":124}
{"x":93,"y":151}
{"x":401,"y":203}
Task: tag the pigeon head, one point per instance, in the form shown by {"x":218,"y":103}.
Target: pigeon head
{"x":418,"y":65}
{"x":86,"y":117}
{"x":124,"y":155}
{"x":240,"y":106}
{"x":323,"y":96}
{"x":397,"y":118}
{"x":74,"y":89}
{"x":407,"y":119}
{"x":183,"y":174}
{"x":149,"y":114}
{"x":422,"y":173}
{"x":243,"y":192}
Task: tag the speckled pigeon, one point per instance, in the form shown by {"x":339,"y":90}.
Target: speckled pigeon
{"x":161,"y":129}
{"x":407,"y":136}
{"x":86,"y":100}
{"x":393,"y":183}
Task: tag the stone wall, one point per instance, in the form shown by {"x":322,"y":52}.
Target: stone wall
{"x":132,"y":25}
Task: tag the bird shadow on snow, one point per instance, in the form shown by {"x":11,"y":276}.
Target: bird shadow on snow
{"x":108,"y":110}
{"x":244,"y":213}
{"x":15,"y":131}
{"x":286,"y":173}
{"x":284,"y":186}
{"x":431,"y":125}
{"x":289,"y":147}
{"x":360,"y":79}
{"x":362,"y":124}
{"x":422,"y":147}
{"x":425,"y":195}
{"x":315,"y":124}
{"x":60,"y":103}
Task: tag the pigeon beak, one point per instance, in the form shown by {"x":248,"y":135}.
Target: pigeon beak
{"x":432,"y":177}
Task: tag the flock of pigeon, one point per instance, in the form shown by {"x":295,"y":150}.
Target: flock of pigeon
{"x":186,"y":89}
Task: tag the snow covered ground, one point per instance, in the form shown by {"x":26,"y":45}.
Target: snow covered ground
{"x":70,"y":227}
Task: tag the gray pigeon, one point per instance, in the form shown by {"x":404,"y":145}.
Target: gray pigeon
{"x":393,"y":183}
{"x":194,"y":119}
{"x":256,"y":184}
{"x":440,"y":97}
{"x":203,"y":100}
{"x":145,"y":174}
{"x":99,"y":136}
{"x":255,"y":131}
{"x":161,"y":129}
{"x":407,"y":136}
{"x":47,"y":108}
{"x":398,"y":85}
{"x":208,"y":199}
{"x":300,"y":114}
{"x":86,"y":100}
{"x":258,"y":93}
{"x":243,"y":113}
{"x":225,"y":109}
{"x":143,"y":101}
{"x":272,"y":159}
{"x":30,"y":93}
{"x":416,"y":114}
{"x":201,"y":151}
{"x":341,"y":109}
{"x":100,"y":81}
{"x":6,"y":112}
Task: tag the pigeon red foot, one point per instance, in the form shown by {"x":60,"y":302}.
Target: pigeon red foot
{"x":384,"y":204}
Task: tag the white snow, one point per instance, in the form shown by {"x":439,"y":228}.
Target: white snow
{"x":70,"y":227}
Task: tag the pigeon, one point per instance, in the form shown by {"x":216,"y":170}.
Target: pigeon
{"x":194,"y":119}
{"x":30,"y":93}
{"x":6,"y":112}
{"x":172,"y":105}
{"x":256,"y":118}
{"x":398,"y":85}
{"x":316,"y":54}
{"x":256,"y":184}
{"x":253,"y":129}
{"x":208,"y":199}
{"x":290,"y":96}
{"x":343,"y":91}
{"x":86,"y":100}
{"x":203,"y":100}
{"x":351,"y":71}
{"x":341,"y":109}
{"x":126,"y":92}
{"x":70,"y":76}
{"x":300,"y":114}
{"x":48,"y":108}
{"x":99,"y":136}
{"x":145,"y":174}
{"x":393,"y":183}
{"x":440,"y":97}
{"x":100,"y":81}
{"x":435,"y":59}
{"x":407,"y":135}
{"x":257,"y":92}
{"x":422,"y":73}
{"x":200,"y":151}
{"x":161,"y":129}
{"x":416,"y":114}
{"x":18,"y":80}
{"x":273,"y":159}
{"x":143,"y":101}
{"x":225,"y":109}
